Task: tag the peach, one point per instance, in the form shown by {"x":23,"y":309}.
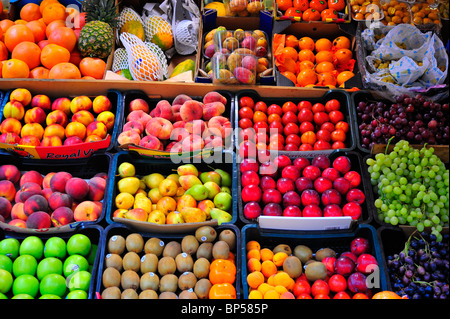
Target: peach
{"x":39,"y":220}
{"x":72,"y":140}
{"x":42,"y":101}
{"x":180,"y":99}
{"x":138,"y":104}
{"x":50,"y":141}
{"x":75,"y":129}
{"x":7,"y":190}
{"x":55,"y":130}
{"x":62,"y":216}
{"x":213,"y":96}
{"x":86,"y":210}
{"x":59,"y":180}
{"x":18,"y":223}
{"x":34,"y":129}
{"x":133,"y":125}
{"x":77,"y":188}
{"x":213,"y":109}
{"x":140,"y":116}
{"x":170,"y":146}
{"x":5,"y":207}
{"x":62,"y":104}
{"x":101,"y":103}
{"x":213,"y":141}
{"x":31,"y":176}
{"x":58,"y":199}
{"x":79,"y":103}
{"x":179,"y":124}
{"x":108,"y":118}
{"x":27,"y":190}
{"x":9,"y":138}
{"x":221,"y":123}
{"x":46,"y":180}
{"x":97,"y":128}
{"x":21,"y":95}
{"x":150,"y":142}
{"x":176,"y":108}
{"x":179,"y":134}
{"x":176,"y":117}
{"x":193,"y":143}
{"x":186,"y":201}
{"x":129,"y":137}
{"x":159,"y":127}
{"x":57,"y":117}
{"x":35,"y":203}
{"x":97,"y":188}
{"x":84,"y":117}
{"x":30,"y":140}
{"x":120,"y":213}
{"x":163,"y":109}
{"x":9,"y":172}
{"x":196,"y":127}
{"x":14,"y":109}
{"x":35,"y":115}
{"x":191,"y":110}
{"x":47,"y":192}
{"x":92,"y":138}
{"x":17,"y":212}
{"x":10,"y":125}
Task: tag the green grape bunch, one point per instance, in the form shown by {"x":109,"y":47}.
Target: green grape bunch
{"x":412,"y":187}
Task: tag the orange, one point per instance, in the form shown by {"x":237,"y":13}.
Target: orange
{"x":38,"y":28}
{"x":20,"y":21}
{"x":94,"y":67}
{"x":326,"y":79}
{"x":307,"y":76}
{"x":291,"y":41}
{"x":290,"y":52}
{"x":341,"y":42}
{"x":52,"y":26}
{"x":306,"y":43}
{"x":344,"y":76}
{"x":343,"y":55}
{"x":291,"y":76}
{"x":323,"y":44}
{"x":323,"y":56}
{"x":64,"y":37}
{"x":3,"y":51}
{"x":5,"y":24}
{"x":52,"y":12}
{"x":30,"y":12}
{"x":283,"y":5}
{"x":28,"y":52}
{"x":53,"y":54}
{"x":386,"y":295}
{"x":288,"y":65}
{"x":305,"y":65}
{"x":324,"y":66}
{"x":44,"y":3}
{"x":306,"y":55}
{"x":39,"y":73}
{"x":16,"y":34}
{"x":64,"y":70}
{"x":14,"y":68}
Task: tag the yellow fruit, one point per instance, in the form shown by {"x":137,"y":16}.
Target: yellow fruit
{"x":134,"y":27}
{"x":124,"y":200}
{"x":128,"y":185}
{"x":142,"y":201}
{"x":159,"y":32}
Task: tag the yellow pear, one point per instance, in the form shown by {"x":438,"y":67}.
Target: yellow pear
{"x":157,"y":217}
{"x":193,"y":215}
{"x":142,"y":201}
{"x":126,"y":169}
{"x":153,"y":180}
{"x":154,"y":195}
{"x":128,"y":185}
{"x":175,"y":178}
{"x":124,"y":200}
{"x":187,"y":181}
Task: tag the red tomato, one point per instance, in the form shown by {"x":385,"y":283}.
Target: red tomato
{"x":336,"y":116}
{"x":306,"y":147}
{"x":342,"y":125}
{"x":245,"y":123}
{"x":311,"y":15}
{"x":343,"y":295}
{"x":274,"y":109}
{"x":337,"y":5}
{"x":289,"y":106}
{"x":321,"y":117}
{"x":338,"y":136}
{"x":327,"y":126}
{"x":318,"y":5}
{"x":306,"y":126}
{"x":293,"y":12}
{"x":318,"y":107}
{"x":321,"y":145}
{"x":332,"y":105}
{"x":304,"y":104}
{"x":261,"y":106}
{"x":323,"y":135}
{"x":246,"y":101}
{"x":337,"y":145}
{"x":301,"y":4}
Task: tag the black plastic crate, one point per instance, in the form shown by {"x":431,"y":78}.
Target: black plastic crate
{"x":124,"y":230}
{"x":95,"y":234}
{"x":338,"y":241}
{"x":357,"y":165}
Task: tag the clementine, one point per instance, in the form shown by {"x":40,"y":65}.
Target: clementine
{"x":39,"y":73}
{"x":28,"y":52}
{"x":16,"y":34}
{"x":341,"y":42}
{"x":306,"y":55}
{"x":64,"y":70}
{"x":30,"y":12}
{"x":53,"y":54}
{"x":323,"y":44}
{"x":306,"y":43}
{"x":15,"y":68}
{"x":38,"y":28}
{"x":305,"y":77}
{"x":52,"y":12}
{"x":323,"y":56}
{"x":64,"y":37}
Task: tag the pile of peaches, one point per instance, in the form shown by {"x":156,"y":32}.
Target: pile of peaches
{"x":39,"y":121}
{"x":184,"y":125}
{"x":32,"y":200}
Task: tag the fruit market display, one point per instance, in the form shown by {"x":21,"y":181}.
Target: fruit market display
{"x":423,"y":13}
{"x":38,"y":120}
{"x":412,"y":188}
{"x":197,"y":266}
{"x":367,"y":10}
{"x":290,"y":126}
{"x":443,"y":9}
{"x":185,"y":196}
{"x":308,"y":62}
{"x":301,"y":188}
{"x":297,"y":272}
{"x":53,"y":268}
{"x":312,"y":10}
{"x":182,"y":125}
{"x":395,"y":12}
{"x":240,"y":8}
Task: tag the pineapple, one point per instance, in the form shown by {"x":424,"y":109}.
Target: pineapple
{"x":97,"y":36}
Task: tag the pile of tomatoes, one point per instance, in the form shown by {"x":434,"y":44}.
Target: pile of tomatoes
{"x":311,"y":10}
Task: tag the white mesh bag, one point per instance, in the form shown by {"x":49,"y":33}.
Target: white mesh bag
{"x":127,"y":14}
{"x":120,"y":60}
{"x":150,"y":26}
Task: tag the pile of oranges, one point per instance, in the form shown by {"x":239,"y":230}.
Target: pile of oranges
{"x":309,"y":63}
{"x":42,"y":44}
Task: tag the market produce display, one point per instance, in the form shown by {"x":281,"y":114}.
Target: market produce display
{"x":312,"y":10}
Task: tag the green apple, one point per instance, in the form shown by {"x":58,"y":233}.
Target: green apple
{"x":92,"y":254}
{"x":49,"y":265}
{"x":6,"y":281}
{"x":26,"y":284}
{"x":80,"y":280}
{"x":223,"y":201}
{"x":53,"y":284}
{"x":32,"y":245}
{"x":79,"y":244}
{"x":22,"y":296}
{"x":24,"y":264}
{"x":55,"y":247}
{"x":10,"y":247}
{"x":225,"y":177}
{"x":49,"y":296}
{"x":225,"y":189}
{"x":6,"y":263}
{"x":77,"y":294}
{"x":74,"y":263}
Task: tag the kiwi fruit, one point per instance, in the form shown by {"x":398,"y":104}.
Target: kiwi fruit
{"x":168,"y":295}
{"x":205,"y":251}
{"x":171,"y":249}
{"x":116,"y":244}
{"x":167,"y":265}
{"x":113,"y":260}
{"x":292,"y":266}
{"x":187,"y":294}
{"x":202,"y":288}
{"x":221,"y":250}
{"x":111,"y":277}
{"x":168,"y":283}
{"x":154,"y":245}
{"x":111,"y":293}
{"x":189,"y":244}
{"x":304,"y":253}
{"x":187,"y":280}
{"x":149,"y":280}
{"x":324,"y":252}
{"x":129,"y":279}
{"x":149,"y":263}
{"x":184,"y":262}
{"x":282,"y":248}
{"x":205,"y":234}
{"x":316,"y":270}
{"x":201,"y":268}
{"x":129,"y":294}
{"x":134,"y":242}
{"x":148,"y":294}
{"x":229,"y":237}
{"x":131,"y":261}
